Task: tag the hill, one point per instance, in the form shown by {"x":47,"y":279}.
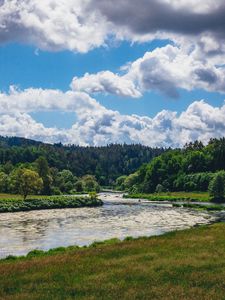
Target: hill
{"x":105,"y":163}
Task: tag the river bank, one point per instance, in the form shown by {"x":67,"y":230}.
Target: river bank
{"x":172,"y":196}
{"x":22,"y":232}
{"x":51,"y":202}
{"x":164,"y":267}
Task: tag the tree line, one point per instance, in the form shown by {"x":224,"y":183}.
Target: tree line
{"x":38,"y":178}
{"x":192,"y":168}
{"x":56,"y":169}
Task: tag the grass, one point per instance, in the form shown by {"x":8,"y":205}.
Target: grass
{"x":10,"y":196}
{"x":20,"y":197}
{"x":46,"y":202}
{"x":212,"y":207}
{"x":173,"y":196}
{"x":186,"y":265}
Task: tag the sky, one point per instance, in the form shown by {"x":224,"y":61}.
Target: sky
{"x":95,"y":72}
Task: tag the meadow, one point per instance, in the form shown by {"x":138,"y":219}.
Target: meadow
{"x":188,"y":264}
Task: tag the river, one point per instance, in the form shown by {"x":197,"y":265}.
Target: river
{"x":25,"y":231}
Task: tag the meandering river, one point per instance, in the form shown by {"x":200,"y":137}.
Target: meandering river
{"x":25,"y":231}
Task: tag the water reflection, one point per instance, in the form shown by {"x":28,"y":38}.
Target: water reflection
{"x":25,"y":231}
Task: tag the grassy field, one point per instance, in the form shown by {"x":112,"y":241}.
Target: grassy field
{"x":186,"y":265}
{"x":16,"y":204}
{"x":173,"y":196}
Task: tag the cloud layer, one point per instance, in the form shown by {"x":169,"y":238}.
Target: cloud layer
{"x":193,"y":59}
{"x":105,"y":82}
{"x":165,"y":69}
{"x":81,"y":25}
{"x":51,"y":24}
{"x":97,"y":125}
{"x":146,"y":16}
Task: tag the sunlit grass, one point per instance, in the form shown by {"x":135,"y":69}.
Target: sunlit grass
{"x":10,"y":196}
{"x":173,"y":196}
{"x":188,"y":264}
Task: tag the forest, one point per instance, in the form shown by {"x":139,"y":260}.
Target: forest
{"x":56,"y":169}
{"x":192,"y":168}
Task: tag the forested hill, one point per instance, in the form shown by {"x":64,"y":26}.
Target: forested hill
{"x":189,"y":169}
{"x":106,"y":163}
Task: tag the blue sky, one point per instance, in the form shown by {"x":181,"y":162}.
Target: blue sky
{"x":167,"y":73}
{"x":26,"y":66}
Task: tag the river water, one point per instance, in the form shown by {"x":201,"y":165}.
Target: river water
{"x":25,"y":231}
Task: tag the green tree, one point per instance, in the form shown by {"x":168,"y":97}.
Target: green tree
{"x":216,"y":186}
{"x":79,"y":186}
{"x":29,"y":182}
{"x":8,"y":167}
{"x":44,"y":173}
{"x":66,"y":181}
{"x":3,"y":182}
{"x":131,"y":180}
{"x":120,"y":182}
{"x":90,"y":184}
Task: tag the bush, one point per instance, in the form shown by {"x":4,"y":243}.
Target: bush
{"x":52,"y":202}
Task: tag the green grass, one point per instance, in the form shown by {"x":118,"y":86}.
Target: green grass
{"x":212,"y":207}
{"x":20,"y":197}
{"x":173,"y":196}
{"x":46,"y":202}
{"x":10,"y":196}
{"x":186,"y":265}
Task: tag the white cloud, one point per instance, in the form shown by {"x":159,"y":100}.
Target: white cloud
{"x":22,"y":125}
{"x":105,"y":82}
{"x":51,"y":24}
{"x":97,"y":125}
{"x":171,"y":67}
{"x":31,"y":100}
{"x":165,"y":69}
{"x":81,"y":25}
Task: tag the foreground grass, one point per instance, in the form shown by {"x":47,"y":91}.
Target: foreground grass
{"x":173,"y":196}
{"x":181,"y":265}
{"x":44,"y":202}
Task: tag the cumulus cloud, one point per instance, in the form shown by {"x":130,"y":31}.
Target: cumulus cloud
{"x":171,"y":67}
{"x":22,"y":125}
{"x":106,"y":82}
{"x":195,"y":60}
{"x":30,"y":100}
{"x":51,"y":24}
{"x":165,"y":69}
{"x":96,"y":125}
{"x":81,"y":25}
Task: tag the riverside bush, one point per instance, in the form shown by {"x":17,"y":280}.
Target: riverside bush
{"x":56,"y":202}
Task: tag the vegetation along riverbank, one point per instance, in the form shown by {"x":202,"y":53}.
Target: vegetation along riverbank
{"x":187,"y":264}
{"x":172,"y":196}
{"x":51,"y":202}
